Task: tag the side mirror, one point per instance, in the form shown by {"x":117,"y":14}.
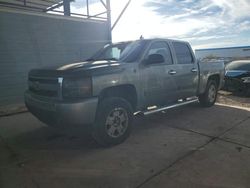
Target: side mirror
{"x":154,"y":59}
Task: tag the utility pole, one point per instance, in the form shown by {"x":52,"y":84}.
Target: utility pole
{"x":66,"y":7}
{"x":119,"y":17}
{"x":109,"y":20}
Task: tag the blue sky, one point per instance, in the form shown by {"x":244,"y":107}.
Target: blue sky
{"x":204,"y":23}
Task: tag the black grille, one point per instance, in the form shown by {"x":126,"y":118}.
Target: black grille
{"x":47,"y":87}
{"x":44,"y":80}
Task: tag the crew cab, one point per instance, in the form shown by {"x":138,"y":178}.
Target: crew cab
{"x":123,"y":79}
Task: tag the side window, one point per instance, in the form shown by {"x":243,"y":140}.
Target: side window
{"x":163,"y":49}
{"x":183,"y":53}
{"x":116,"y":53}
{"x":113,"y":52}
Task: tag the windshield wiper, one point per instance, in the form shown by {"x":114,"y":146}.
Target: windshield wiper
{"x":112,"y":58}
{"x":90,"y":59}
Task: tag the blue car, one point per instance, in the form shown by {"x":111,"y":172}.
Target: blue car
{"x":237,"y":77}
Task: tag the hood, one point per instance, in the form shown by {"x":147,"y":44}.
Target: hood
{"x":87,"y":68}
{"x":236,"y":73}
{"x":87,"y":65}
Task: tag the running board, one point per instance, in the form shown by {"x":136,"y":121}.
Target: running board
{"x":193,"y":100}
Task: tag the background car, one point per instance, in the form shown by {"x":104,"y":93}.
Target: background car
{"x":237,"y":77}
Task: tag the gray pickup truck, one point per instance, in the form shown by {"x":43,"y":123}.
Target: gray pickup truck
{"x":119,"y":81}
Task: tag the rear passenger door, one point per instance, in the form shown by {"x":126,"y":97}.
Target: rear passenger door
{"x":187,"y":70}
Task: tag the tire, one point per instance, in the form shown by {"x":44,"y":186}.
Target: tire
{"x":208,"y":98}
{"x":113,"y":121}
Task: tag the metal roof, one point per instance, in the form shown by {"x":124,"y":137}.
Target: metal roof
{"x":38,"y":5}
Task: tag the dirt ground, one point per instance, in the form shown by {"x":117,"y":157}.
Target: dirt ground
{"x":228,"y":98}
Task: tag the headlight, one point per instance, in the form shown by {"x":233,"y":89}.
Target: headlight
{"x":77,"y":87}
{"x":246,"y":79}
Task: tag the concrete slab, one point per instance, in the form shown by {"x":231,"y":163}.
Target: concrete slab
{"x":219,"y":164}
{"x":209,"y":121}
{"x":5,"y":153}
{"x":48,"y":159}
{"x":240,"y":134}
{"x":45,"y":157}
{"x":11,"y":126}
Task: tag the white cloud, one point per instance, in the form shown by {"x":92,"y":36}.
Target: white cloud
{"x":244,"y":26}
{"x":207,"y":23}
{"x":234,"y":8}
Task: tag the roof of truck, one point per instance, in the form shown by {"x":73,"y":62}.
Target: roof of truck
{"x":152,"y":39}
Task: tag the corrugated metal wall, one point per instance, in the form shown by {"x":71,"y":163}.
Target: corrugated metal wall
{"x":30,"y":40}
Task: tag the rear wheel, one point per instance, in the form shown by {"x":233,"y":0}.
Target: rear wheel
{"x":113,"y":121}
{"x":209,"y":97}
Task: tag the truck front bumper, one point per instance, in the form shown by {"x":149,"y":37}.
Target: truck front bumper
{"x":55,"y":112}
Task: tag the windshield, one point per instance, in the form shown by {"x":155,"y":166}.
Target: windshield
{"x":238,"y":65}
{"x":125,"y":52}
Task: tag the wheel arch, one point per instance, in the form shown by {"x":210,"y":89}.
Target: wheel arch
{"x":125,"y":91}
{"x":215,"y":77}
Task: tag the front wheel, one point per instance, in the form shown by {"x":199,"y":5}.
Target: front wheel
{"x":113,"y":121}
{"x":209,"y":97}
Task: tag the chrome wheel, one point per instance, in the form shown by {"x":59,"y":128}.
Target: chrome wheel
{"x":212,"y":93}
{"x":117,"y":122}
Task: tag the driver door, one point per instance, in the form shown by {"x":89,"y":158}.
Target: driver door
{"x":158,"y":85}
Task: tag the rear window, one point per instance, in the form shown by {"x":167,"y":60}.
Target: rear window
{"x":183,"y":53}
{"x":238,"y":65}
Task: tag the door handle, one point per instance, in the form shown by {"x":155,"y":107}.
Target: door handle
{"x":194,"y":70}
{"x":172,"y":72}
